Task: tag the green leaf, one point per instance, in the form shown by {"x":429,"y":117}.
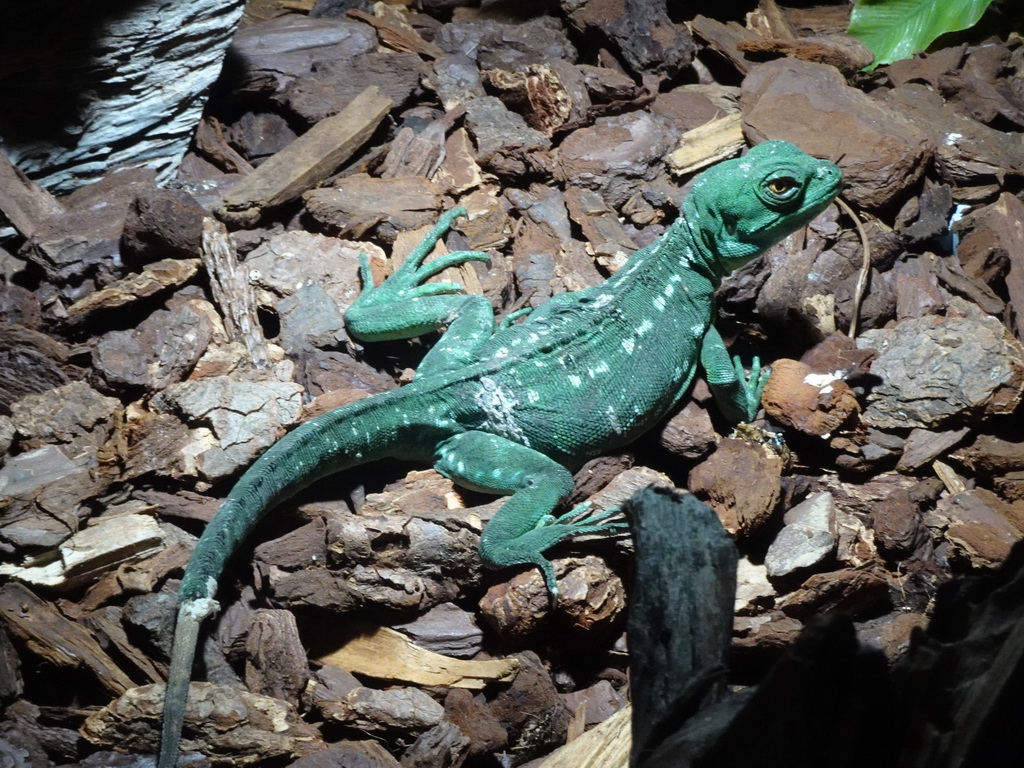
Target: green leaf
{"x":897,"y":29}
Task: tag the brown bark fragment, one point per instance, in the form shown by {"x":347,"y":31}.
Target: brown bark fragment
{"x":59,"y":641}
{"x":982,"y":527}
{"x":397,"y":37}
{"x":882,"y":153}
{"x":226,"y":723}
{"x":475,"y":720}
{"x":741,"y":508}
{"x":385,"y":654}
{"x":811,"y":403}
{"x":22,"y":201}
{"x":853,"y":591}
{"x":159,"y":276}
{"x":275,"y":662}
{"x":308,"y":160}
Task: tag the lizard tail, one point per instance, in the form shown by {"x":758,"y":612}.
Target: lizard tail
{"x":342,"y":438}
{"x":186,"y":636}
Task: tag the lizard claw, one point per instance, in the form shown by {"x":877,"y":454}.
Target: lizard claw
{"x":409,"y":280}
{"x":752,"y":387}
{"x":581,"y":520}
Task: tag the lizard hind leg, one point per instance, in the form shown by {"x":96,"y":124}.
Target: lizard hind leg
{"x":524,"y":527}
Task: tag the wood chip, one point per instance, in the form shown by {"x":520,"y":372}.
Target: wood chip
{"x":712,"y":142}
{"x":396,"y":37}
{"x":308,"y":160}
{"x":953,"y":482}
{"x":385,"y":654}
{"x":231,"y":289}
{"x":92,"y":551}
{"x":605,"y":746}
{"x":166,"y":273}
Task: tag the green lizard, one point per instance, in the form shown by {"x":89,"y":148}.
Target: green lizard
{"x":512,"y":408}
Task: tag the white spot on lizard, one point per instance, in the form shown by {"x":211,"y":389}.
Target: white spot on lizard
{"x":498,"y":405}
{"x":613,"y":420}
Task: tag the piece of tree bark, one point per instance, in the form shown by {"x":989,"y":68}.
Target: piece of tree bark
{"x":275,"y":662}
{"x":708,"y":144}
{"x":229,"y":283}
{"x":93,"y":551}
{"x":398,"y":38}
{"x":605,"y":746}
{"x":48,"y":634}
{"x":23,"y":201}
{"x":680,"y":621}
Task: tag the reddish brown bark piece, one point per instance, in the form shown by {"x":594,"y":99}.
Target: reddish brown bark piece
{"x":359,"y":202}
{"x":997,"y":235}
{"x":724,"y":38}
{"x":617,"y":156}
{"x":530,"y":710}
{"x":396,"y":37}
{"x":982,"y":527}
{"x":275,"y":663}
{"x":845,"y":53}
{"x":992,"y":455}
{"x":646,"y":38}
{"x":159,"y":276}
{"x":476,"y":720}
{"x":882,"y":153}
{"x":742,"y":507}
{"x":857,"y":592}
{"x":814,"y":404}
{"x":22,"y":201}
{"x":226,"y":723}
{"x":968,"y":154}
{"x":48,"y":634}
{"x":588,"y":591}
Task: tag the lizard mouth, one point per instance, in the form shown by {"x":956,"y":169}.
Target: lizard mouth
{"x":834,"y":174}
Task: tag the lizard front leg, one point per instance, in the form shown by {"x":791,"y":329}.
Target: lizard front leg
{"x":405,"y":305}
{"x":737,"y":397}
{"x":524,"y":528}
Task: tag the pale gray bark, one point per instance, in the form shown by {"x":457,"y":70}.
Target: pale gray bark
{"x":94,"y":85}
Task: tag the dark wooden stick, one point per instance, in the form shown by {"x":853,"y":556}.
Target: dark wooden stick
{"x":680,"y":620}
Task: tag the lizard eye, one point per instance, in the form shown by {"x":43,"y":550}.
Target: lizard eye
{"x":782,"y":186}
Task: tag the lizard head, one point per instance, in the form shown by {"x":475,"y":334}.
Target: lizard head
{"x":740,"y":207}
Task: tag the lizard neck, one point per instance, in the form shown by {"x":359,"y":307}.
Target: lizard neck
{"x":678,"y":259}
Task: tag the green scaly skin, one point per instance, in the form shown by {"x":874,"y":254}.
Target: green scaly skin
{"x":513,"y":409}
